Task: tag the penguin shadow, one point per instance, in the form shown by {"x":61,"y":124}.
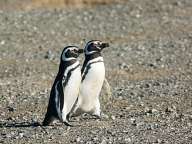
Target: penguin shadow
{"x":19,"y":124}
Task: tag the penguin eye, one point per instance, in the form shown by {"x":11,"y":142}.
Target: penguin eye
{"x":97,"y":44}
{"x":75,"y":50}
{"x":92,"y":46}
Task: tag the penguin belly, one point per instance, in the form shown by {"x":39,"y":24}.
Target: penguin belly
{"x":90,"y":88}
{"x":71,"y":91}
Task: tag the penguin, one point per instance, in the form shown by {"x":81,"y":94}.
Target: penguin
{"x":65,"y":88}
{"x":93,"y":75}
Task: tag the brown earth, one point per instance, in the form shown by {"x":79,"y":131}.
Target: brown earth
{"x":148,"y":67}
{"x":34,"y":4}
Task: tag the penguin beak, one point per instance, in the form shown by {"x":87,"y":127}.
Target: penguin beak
{"x":80,"y":51}
{"x":104,"y":45}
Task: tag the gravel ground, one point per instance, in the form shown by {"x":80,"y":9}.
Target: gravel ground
{"x":148,"y":66}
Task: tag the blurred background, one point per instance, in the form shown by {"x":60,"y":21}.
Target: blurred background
{"x":148,"y":66}
{"x":33,"y":4}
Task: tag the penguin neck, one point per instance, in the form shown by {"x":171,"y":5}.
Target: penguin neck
{"x":88,"y":58}
{"x":92,"y":56}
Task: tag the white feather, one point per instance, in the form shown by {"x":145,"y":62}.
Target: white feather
{"x":71,"y":90}
{"x":88,"y":100}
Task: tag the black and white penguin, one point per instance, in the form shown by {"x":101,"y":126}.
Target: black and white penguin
{"x":65,"y":88}
{"x":93,"y":75}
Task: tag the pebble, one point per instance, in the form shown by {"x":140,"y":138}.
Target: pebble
{"x":133,"y":121}
{"x":2,"y":42}
{"x":154,"y":111}
{"x":10,"y":109}
{"x":151,"y":111}
{"x":104,"y":141}
{"x":21,"y":135}
{"x":95,"y":139}
{"x":123,"y":66}
{"x":113,"y":117}
{"x":128,"y":140}
{"x":78,"y":139}
{"x":170,"y":109}
{"x":104,"y":116}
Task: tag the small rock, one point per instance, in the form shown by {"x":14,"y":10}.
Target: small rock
{"x":146,"y":85}
{"x":133,"y":121}
{"x":10,"y":109}
{"x":127,"y":140}
{"x":154,"y":126}
{"x":21,"y":135}
{"x":113,"y":117}
{"x":104,"y":116}
{"x":154,"y":111}
{"x":190,"y":117}
{"x":137,"y":15}
{"x":111,"y":132}
{"x":152,"y":65}
{"x":120,"y":97}
{"x":158,"y":141}
{"x":148,"y":127}
{"x":156,"y":84}
{"x":2,"y":42}
{"x":189,"y":124}
{"x":78,"y":139}
{"x":104,"y":141}
{"x":147,"y":110}
{"x":170,"y":109}
{"x":95,"y":139}
{"x":123,"y":66}
{"x":8,"y":136}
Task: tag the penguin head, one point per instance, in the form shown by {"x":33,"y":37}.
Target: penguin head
{"x":95,"y":46}
{"x":70,"y":53}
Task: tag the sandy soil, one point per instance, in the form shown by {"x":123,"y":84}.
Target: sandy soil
{"x":148,"y":66}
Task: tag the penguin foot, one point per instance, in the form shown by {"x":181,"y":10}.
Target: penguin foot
{"x":101,"y":116}
{"x":97,"y":116}
{"x":71,"y":125}
{"x":47,"y":120}
{"x":69,"y":118}
{"x":68,"y":124}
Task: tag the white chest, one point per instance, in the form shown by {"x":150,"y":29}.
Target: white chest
{"x":93,"y":81}
{"x":95,"y":74}
{"x":71,"y":89}
{"x":72,"y":86}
